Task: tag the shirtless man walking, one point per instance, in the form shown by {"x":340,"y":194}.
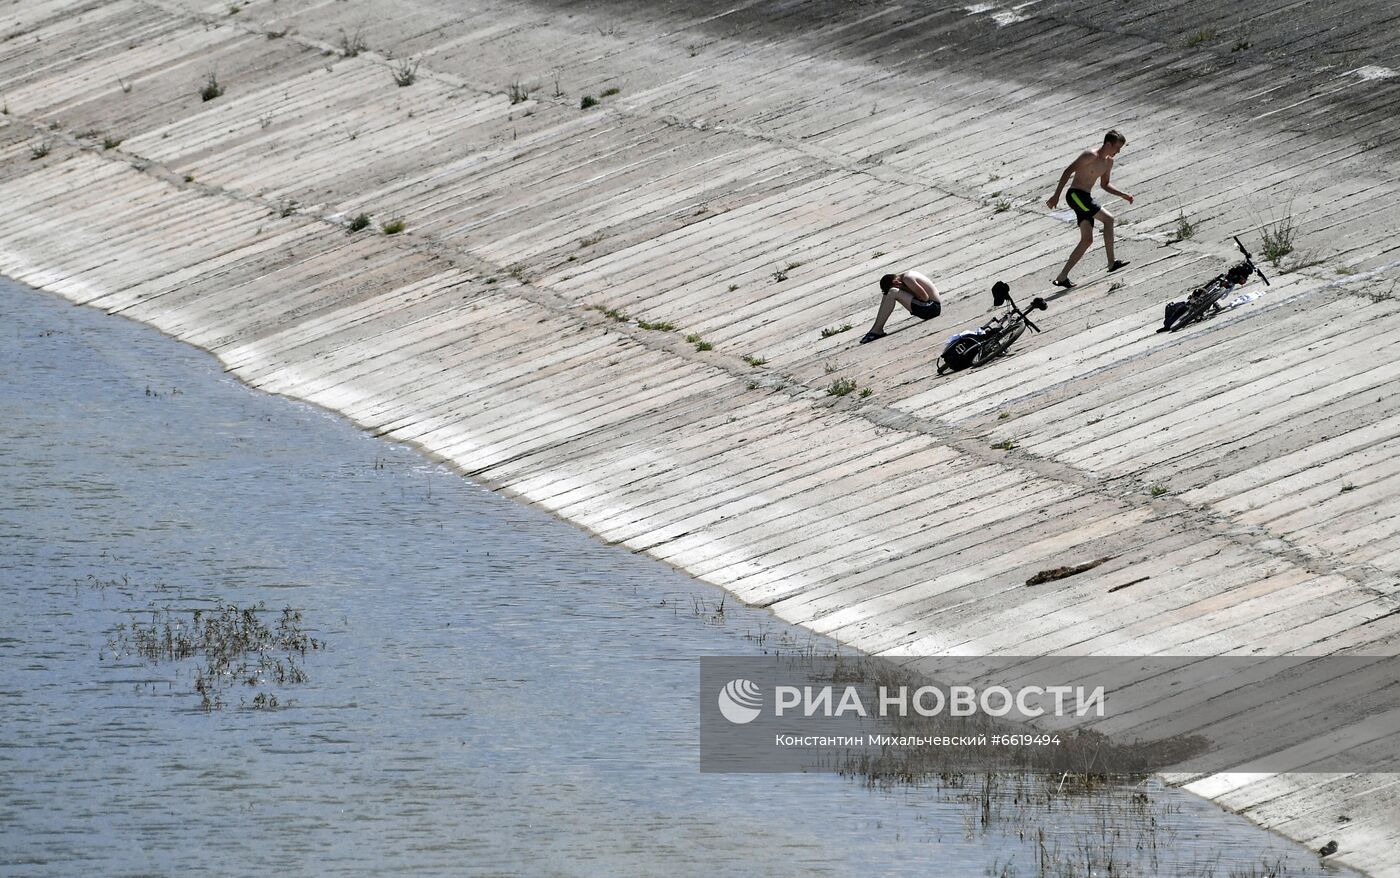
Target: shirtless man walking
{"x":1092,"y":165}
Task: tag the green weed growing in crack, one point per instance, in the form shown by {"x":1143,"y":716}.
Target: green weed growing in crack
{"x":1004,"y":445}
{"x":212,"y":89}
{"x":360,"y":222}
{"x":110,"y":142}
{"x":1200,"y":37}
{"x":1158,"y":490}
{"x":1002,"y":206}
{"x":405,"y":72}
{"x":587,"y":101}
{"x":1184,"y":231}
{"x":754,"y":361}
{"x":519,"y":93}
{"x":39,"y":150}
{"x":841,"y":387}
{"x":1278,"y":239}
{"x":352,"y":44}
{"x":661,"y":326}
{"x":393,"y":227}
{"x":829,"y":331}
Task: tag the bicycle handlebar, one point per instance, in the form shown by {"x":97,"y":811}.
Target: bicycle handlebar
{"x":1250,"y":260}
{"x":1022,"y":314}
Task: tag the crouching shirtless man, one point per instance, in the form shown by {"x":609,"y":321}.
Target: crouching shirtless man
{"x":911,"y":289}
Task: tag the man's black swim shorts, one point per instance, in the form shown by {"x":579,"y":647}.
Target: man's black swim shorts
{"x":925,"y":310}
{"x":1082,"y":203}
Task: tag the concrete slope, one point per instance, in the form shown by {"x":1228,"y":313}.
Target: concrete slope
{"x":616,"y":311}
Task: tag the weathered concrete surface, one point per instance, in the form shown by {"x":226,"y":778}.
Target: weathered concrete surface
{"x":1247,"y":466}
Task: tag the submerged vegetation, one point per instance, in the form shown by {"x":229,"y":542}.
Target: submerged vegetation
{"x":229,"y":646}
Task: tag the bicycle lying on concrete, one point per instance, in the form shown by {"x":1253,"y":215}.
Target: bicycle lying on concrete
{"x":993,"y":338}
{"x":1204,"y":301}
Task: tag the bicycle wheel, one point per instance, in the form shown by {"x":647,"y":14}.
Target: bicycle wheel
{"x":999,"y":345}
{"x":1199,"y":304}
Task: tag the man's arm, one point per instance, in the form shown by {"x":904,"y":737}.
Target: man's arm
{"x":1103,"y":181}
{"x":1064,"y":178}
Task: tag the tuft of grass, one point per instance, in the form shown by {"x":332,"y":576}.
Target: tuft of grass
{"x":877,"y":254}
{"x":393,"y":227}
{"x":234,"y":9}
{"x":1184,"y":231}
{"x":405,"y":73}
{"x":841,"y":387}
{"x":39,"y":150}
{"x":189,"y":178}
{"x":1241,"y":44}
{"x":1002,"y":206}
{"x":1003,"y":416}
{"x":1347,"y":488}
{"x":589,"y":241}
{"x":110,"y":142}
{"x":1158,"y":490}
{"x":1200,"y":37}
{"x":753,"y":385}
{"x":587,"y":101}
{"x":352,"y":44}
{"x":359,"y":223}
{"x":866,"y":392}
{"x":1116,"y":286}
{"x":704,"y":346}
{"x":733,"y":287}
{"x":212,"y":89}
{"x":754,"y":361}
{"x":274,"y":34}
{"x":609,"y":92}
{"x":662,"y":326}
{"x":836,"y":330}
{"x":1278,"y":239}
{"x":286,"y":207}
{"x":1344,"y":269}
{"x":612,"y":313}
{"x":828,"y":368}
{"x":519,"y":93}
{"x":781,"y":274}
{"x":1004,"y":445}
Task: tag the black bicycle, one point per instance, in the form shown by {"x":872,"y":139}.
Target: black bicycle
{"x":984,"y":344}
{"x":1204,"y":301}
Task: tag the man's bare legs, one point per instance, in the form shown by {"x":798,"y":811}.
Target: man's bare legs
{"x":1107,"y":236}
{"x":887,"y":303}
{"x":1086,"y":237}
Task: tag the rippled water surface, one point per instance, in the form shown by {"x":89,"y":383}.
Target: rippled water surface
{"x":499,"y":693}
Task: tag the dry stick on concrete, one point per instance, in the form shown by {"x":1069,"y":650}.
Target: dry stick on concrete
{"x":1062,"y":572}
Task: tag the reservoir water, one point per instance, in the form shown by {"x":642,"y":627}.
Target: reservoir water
{"x":498,"y":693}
